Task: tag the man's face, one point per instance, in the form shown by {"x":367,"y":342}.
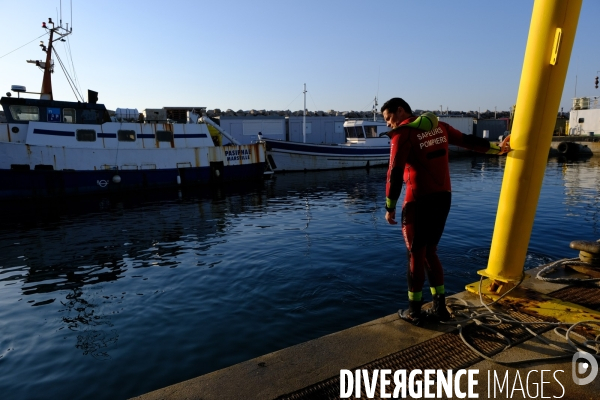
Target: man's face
{"x":393,"y":120}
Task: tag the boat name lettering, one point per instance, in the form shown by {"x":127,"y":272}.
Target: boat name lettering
{"x":432,"y":132}
{"x":236,"y":155}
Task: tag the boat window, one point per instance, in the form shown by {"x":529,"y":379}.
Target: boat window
{"x":164,"y":136}
{"x":126,"y":135}
{"x":90,"y":117}
{"x":371,"y":131}
{"x":350,"y":132}
{"x":69,"y":115}
{"x":355,"y":132}
{"x":25,"y":113}
{"x":53,"y":114}
{"x":581,"y":120}
{"x":86,"y":135}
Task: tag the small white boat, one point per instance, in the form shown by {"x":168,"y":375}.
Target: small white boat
{"x":366,"y":146}
{"x":50,"y":147}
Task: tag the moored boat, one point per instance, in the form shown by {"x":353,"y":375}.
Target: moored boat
{"x":366,"y":145}
{"x":50,"y":147}
{"x":291,"y":156}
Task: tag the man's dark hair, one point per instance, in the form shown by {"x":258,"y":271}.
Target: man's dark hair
{"x":392,"y":105}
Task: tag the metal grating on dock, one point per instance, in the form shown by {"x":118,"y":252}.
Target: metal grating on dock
{"x":444,"y":352}
{"x":585,"y":296}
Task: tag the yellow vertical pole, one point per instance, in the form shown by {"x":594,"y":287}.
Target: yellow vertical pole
{"x":549,"y":45}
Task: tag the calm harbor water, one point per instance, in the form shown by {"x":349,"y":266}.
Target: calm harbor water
{"x":111,"y":298}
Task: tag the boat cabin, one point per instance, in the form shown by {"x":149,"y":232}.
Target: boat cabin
{"x":23,"y":110}
{"x":362,"y":131}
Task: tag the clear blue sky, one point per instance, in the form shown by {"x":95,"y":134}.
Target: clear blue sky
{"x":461,"y":55}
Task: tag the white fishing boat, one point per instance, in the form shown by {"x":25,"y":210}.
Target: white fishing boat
{"x":363,"y":148}
{"x":50,"y":147}
{"x":366,"y":145}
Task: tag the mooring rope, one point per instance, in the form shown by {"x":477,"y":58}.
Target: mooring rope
{"x":566,"y":261}
{"x":489,"y":319}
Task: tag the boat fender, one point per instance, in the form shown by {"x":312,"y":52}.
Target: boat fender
{"x":179,"y":179}
{"x":116,"y":179}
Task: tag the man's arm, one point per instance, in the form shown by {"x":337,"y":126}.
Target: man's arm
{"x":475,"y":143}
{"x":399,"y":149}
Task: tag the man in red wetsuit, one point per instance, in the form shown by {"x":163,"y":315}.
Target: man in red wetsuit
{"x":420,"y":159}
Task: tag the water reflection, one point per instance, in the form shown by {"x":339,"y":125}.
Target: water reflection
{"x":81,"y":317}
{"x":582,"y":187}
{"x":66,"y":254}
{"x":194,"y":281}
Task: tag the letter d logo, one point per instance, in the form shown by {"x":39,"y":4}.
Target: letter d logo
{"x":581,"y":367}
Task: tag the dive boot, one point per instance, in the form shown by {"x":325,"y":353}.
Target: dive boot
{"x":413,"y":313}
{"x":438,"y":310}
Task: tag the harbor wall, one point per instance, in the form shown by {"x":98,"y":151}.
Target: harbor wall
{"x":495,"y":128}
{"x":320,"y":129}
{"x":463,"y":124}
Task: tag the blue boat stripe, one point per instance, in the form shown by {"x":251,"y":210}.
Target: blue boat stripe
{"x":177,"y":136}
{"x":107,"y":135}
{"x":189,"y":135}
{"x":52,"y":132}
{"x":325,"y":149}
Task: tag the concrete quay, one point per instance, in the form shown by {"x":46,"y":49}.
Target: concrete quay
{"x":311,"y":370}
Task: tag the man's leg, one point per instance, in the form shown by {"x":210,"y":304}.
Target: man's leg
{"x":434,"y":213}
{"x":435,"y":271}
{"x":416,"y":266}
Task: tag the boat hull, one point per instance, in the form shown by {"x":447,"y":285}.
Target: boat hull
{"x":30,"y":170}
{"x":291,"y":156}
{"x":17,"y":184}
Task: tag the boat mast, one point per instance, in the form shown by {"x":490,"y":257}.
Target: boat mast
{"x":304,"y":118}
{"x":375,"y":110}
{"x":46,"y":92}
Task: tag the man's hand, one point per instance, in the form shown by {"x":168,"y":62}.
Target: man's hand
{"x":390,"y":217}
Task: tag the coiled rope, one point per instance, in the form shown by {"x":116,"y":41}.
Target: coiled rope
{"x":488,"y":319}
{"x":567,"y":261}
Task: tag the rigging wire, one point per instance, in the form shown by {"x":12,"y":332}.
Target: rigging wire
{"x":370,"y":105}
{"x":378,"y":76}
{"x":70,"y":56}
{"x":311,"y":98}
{"x":288,"y":106}
{"x":69,"y":79}
{"x":23,"y":45}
